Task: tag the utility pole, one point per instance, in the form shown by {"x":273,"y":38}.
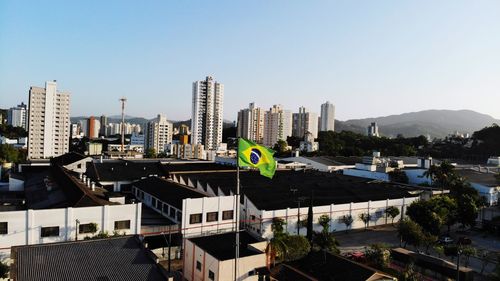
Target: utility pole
{"x":123,"y":100}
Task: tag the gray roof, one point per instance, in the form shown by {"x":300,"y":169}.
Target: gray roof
{"x":486,"y":179}
{"x":110,"y":259}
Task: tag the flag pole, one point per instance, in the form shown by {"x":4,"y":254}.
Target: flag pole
{"x":237,"y":239}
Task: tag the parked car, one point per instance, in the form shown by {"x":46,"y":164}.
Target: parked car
{"x":445,"y":240}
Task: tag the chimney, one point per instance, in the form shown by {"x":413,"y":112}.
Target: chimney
{"x":92,"y":186}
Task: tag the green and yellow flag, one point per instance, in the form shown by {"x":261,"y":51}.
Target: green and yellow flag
{"x":253,"y":155}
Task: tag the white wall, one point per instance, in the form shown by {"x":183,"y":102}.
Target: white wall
{"x":335,"y":211}
{"x":489,"y":193}
{"x":366,"y":174}
{"x":16,"y":184}
{"x":24,"y":227}
{"x":416,"y":176}
{"x":203,"y":206}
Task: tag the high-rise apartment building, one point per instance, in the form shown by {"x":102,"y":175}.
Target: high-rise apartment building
{"x":277,"y":125}
{"x":159,"y":133}
{"x":327,"y":119}
{"x":48,"y":122}
{"x":93,"y":127}
{"x":207,"y":114}
{"x":305,"y":122}
{"x":16,"y":116}
{"x":372,"y":130}
{"x":251,"y":123}
{"x":104,"y":123}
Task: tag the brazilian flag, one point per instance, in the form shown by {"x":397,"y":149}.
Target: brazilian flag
{"x":257,"y":156}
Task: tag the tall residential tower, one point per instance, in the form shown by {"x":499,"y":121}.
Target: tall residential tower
{"x":207,"y":117}
{"x":48,"y":122}
{"x":327,"y":119}
{"x":277,"y":125}
{"x":251,"y":123}
{"x":305,"y":122}
{"x":159,"y":133}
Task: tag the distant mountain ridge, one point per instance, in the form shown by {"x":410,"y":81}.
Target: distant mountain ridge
{"x":435,"y":123}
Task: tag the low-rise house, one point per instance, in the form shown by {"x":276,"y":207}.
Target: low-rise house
{"x":485,"y":183}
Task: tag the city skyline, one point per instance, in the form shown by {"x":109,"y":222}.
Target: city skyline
{"x":438,"y":55}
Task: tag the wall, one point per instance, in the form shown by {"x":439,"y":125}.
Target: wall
{"x":335,"y":211}
{"x":416,"y":176}
{"x":24,"y":227}
{"x":16,"y":184}
{"x":366,"y":174}
{"x":489,"y":193}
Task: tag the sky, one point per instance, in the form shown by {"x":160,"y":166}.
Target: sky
{"x":370,"y":58}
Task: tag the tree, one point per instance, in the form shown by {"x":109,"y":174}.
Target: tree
{"x":325,"y":240}
{"x":392,"y":212}
{"x":439,"y":249}
{"x":428,"y":240}
{"x":297,"y":247}
{"x":497,"y":177}
{"x":277,"y":247}
{"x":150,"y":153}
{"x":281,"y":147}
{"x":4,"y":270}
{"x":365,"y":218}
{"x":379,"y":255}
{"x":468,"y":210}
{"x":347,"y":220}
{"x":410,"y":233}
{"x":422,"y":213}
{"x":468,"y":251}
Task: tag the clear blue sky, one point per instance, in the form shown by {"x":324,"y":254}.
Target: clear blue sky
{"x":370,"y":58}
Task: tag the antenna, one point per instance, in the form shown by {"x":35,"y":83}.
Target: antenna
{"x":123,"y":100}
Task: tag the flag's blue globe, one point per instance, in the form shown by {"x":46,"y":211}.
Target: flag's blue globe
{"x":255,"y":156}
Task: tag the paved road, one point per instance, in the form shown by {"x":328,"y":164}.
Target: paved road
{"x":358,"y":240}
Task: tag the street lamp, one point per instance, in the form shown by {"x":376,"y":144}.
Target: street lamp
{"x":459,"y":252}
{"x":76,"y":230}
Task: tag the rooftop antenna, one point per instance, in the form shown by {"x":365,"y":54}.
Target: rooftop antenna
{"x":123,"y":100}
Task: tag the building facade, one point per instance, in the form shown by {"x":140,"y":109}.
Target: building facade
{"x":48,"y":122}
{"x":305,"y":122}
{"x":104,"y":122}
{"x":93,"y":127}
{"x":159,"y":133}
{"x":251,"y":123}
{"x":277,"y":125}
{"x":16,"y":116}
{"x":327,"y":119}
{"x":207,"y":113}
{"x":372,"y":130}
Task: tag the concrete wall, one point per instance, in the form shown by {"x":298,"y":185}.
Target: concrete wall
{"x":489,"y":193}
{"x":24,"y":227}
{"x":16,"y":184}
{"x":416,"y":176}
{"x":366,"y":174}
{"x":262,"y":224}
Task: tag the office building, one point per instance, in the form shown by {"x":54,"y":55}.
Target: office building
{"x":159,"y":133}
{"x":305,"y":122}
{"x":277,"y":125}
{"x":251,"y":123}
{"x":207,"y":113}
{"x":48,"y":122}
{"x":372,"y":130}
{"x":327,"y":119}
{"x":16,"y":116}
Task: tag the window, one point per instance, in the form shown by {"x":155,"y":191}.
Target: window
{"x":171,"y":213}
{"x":3,"y":228}
{"x":87,"y":228}
{"x":122,"y":224}
{"x":212,"y":216}
{"x":198,"y":265}
{"x":79,"y":166}
{"x":50,"y":231}
{"x":153,"y":202}
{"x":195,"y":218}
{"x":227,"y":215}
{"x":211,"y":275}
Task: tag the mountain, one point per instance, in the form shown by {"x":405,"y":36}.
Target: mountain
{"x":114,"y":119}
{"x":435,"y":123}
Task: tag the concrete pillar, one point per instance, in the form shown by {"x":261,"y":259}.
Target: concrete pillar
{"x":30,"y":222}
{"x":138,"y":214}
{"x":106,"y":224}
{"x":70,"y":224}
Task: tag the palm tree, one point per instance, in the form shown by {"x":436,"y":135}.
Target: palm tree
{"x":276,"y":249}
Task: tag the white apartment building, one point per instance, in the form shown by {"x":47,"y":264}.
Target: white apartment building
{"x":277,"y":125}
{"x":48,"y":122}
{"x":251,"y":123}
{"x":372,"y":130}
{"x":159,"y":133}
{"x":305,"y":122}
{"x":16,"y":116}
{"x":327,"y":119}
{"x":207,"y":113}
